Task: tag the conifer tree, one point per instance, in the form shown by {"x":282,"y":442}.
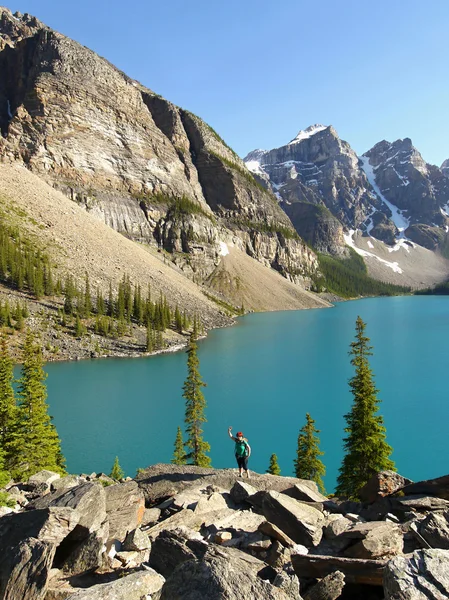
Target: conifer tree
{"x":274,"y":468}
{"x":40,"y":447}
{"x":179,"y":455}
{"x":8,"y":410}
{"x":307,"y":463}
{"x":195,"y":407}
{"x":117,"y":471}
{"x":367,"y":451}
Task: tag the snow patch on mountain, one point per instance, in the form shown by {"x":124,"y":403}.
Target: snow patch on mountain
{"x":350,"y":241}
{"x":307,"y":133}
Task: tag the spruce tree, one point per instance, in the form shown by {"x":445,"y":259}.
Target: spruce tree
{"x":40,"y":447}
{"x":8,"y":410}
{"x":307,"y":463}
{"x":195,"y":407}
{"x":179,"y":455}
{"x":274,"y":468}
{"x":367,"y":451}
{"x":117,"y":471}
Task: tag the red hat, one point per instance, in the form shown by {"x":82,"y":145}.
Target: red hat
{"x":239,"y":434}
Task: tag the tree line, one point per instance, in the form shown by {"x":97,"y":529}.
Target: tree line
{"x":29,"y":441}
{"x":366,"y":449}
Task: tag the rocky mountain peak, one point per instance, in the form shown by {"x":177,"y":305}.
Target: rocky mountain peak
{"x":304,"y":134}
{"x":445,"y":167}
{"x":15,"y":27}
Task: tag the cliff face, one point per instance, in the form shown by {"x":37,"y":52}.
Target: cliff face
{"x":149,"y":169}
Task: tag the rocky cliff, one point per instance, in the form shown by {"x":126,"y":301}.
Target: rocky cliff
{"x":150,"y":170}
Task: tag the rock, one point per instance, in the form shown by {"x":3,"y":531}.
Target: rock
{"x":375,"y":540}
{"x":305,"y":493}
{"x":66,"y":483}
{"x":382,"y":484}
{"x":88,"y":499}
{"x":277,"y":534}
{"x":238,"y":521}
{"x":300,"y":522}
{"x":256,"y":542}
{"x":24,"y":570}
{"x":223,"y":573}
{"x":215,"y":502}
{"x":435,"y":530}
{"x":47,"y":477}
{"x":431,"y":487}
{"x":424,"y":575}
{"x":125,"y":507}
{"x":355,"y":570}
{"x":222,"y":536}
{"x":240,"y":491}
{"x":184,"y":517}
{"x":86,"y":555}
{"x":328,"y":588}
{"x":169,"y":550}
{"x":132,"y":587}
{"x":289,"y":584}
{"x":420,"y":503}
{"x":137,"y":540}
{"x":50,"y":525}
{"x":131,"y":559}
{"x":279,"y":556}
{"x":6,"y":510}
{"x":336,"y":527}
{"x":150,"y":516}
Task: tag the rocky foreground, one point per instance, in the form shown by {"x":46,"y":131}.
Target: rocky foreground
{"x":178,"y":533}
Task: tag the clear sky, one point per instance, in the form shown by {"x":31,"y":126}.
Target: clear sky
{"x":259,"y":71}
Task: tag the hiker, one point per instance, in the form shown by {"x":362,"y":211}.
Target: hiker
{"x":242,"y":451}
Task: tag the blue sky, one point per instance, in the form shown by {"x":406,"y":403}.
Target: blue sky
{"x":259,"y":71}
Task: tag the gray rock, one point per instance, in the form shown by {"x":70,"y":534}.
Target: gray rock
{"x":241,"y":490}
{"x":277,"y":534}
{"x":137,"y":540}
{"x":24,"y":570}
{"x":431,"y":487}
{"x":223,"y":573}
{"x":150,"y":516}
{"x":86,"y":555}
{"x":382,"y":484}
{"x":214,"y":502}
{"x":66,"y":483}
{"x":47,"y":477}
{"x":424,"y":575}
{"x":375,"y":540}
{"x":169,"y":550}
{"x":328,"y":588}
{"x":289,"y":584}
{"x":301,"y":491}
{"x":125,"y":507}
{"x":336,"y":527}
{"x":435,"y":530}
{"x":50,"y":525}
{"x":184,"y":517}
{"x":132,"y":587}
{"x":300,"y":522}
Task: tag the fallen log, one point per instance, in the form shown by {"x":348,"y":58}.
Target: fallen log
{"x":355,"y":570}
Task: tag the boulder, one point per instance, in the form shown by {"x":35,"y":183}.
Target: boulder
{"x":207,"y":504}
{"x":304,"y":492}
{"x":239,"y":521}
{"x":169,"y":550}
{"x":328,"y":588}
{"x":302,"y":523}
{"x":47,"y":477}
{"x":86,"y":555}
{"x":374,"y":540}
{"x":288,"y":584}
{"x":240,"y":491}
{"x":422,"y":576}
{"x":132,"y":587}
{"x":24,"y":570}
{"x":355,"y":570}
{"x":336,"y":526}
{"x":435,"y":530}
{"x":256,"y":542}
{"x":125,"y":507}
{"x":150,"y":517}
{"x":67,"y":482}
{"x":184,"y":517}
{"x":88,"y":499}
{"x":382,"y":484}
{"x":222,"y":573}
{"x":50,"y":525}
{"x":277,"y":534}
{"x":137,"y":540}
{"x":431,"y":487}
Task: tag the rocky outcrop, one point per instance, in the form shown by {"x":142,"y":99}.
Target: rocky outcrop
{"x":445,"y":167}
{"x":423,"y":576}
{"x":150,"y":170}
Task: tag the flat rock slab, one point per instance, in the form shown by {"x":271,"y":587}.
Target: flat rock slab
{"x":50,"y":525}
{"x":241,"y":490}
{"x":374,"y":540}
{"x":355,"y":570}
{"x":431,"y":487}
{"x":185,"y":517}
{"x":132,"y":587}
{"x":301,"y":491}
{"x":435,"y":530}
{"x":422,"y":576}
{"x":125,"y":507}
{"x":302,"y":523}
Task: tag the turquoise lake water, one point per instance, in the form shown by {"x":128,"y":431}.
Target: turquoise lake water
{"x":262,"y":376}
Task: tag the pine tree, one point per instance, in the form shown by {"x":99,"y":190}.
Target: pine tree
{"x":8,"y":410}
{"x":117,"y":471}
{"x":179,"y":455}
{"x":367,"y":451}
{"x":307,"y":463}
{"x":195,"y":407}
{"x":40,"y":447}
{"x":274,"y":468}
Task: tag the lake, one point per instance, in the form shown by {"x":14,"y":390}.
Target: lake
{"x":262,"y":376}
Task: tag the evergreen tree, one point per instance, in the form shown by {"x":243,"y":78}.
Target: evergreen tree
{"x":307,"y":463}
{"x":179,"y":455}
{"x":117,"y":471}
{"x":274,"y":468}
{"x":367,"y":451}
{"x":8,"y":410}
{"x":195,"y":407}
{"x":40,"y":447}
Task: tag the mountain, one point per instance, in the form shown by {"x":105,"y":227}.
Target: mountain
{"x":149,"y":169}
{"x":336,"y":199}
